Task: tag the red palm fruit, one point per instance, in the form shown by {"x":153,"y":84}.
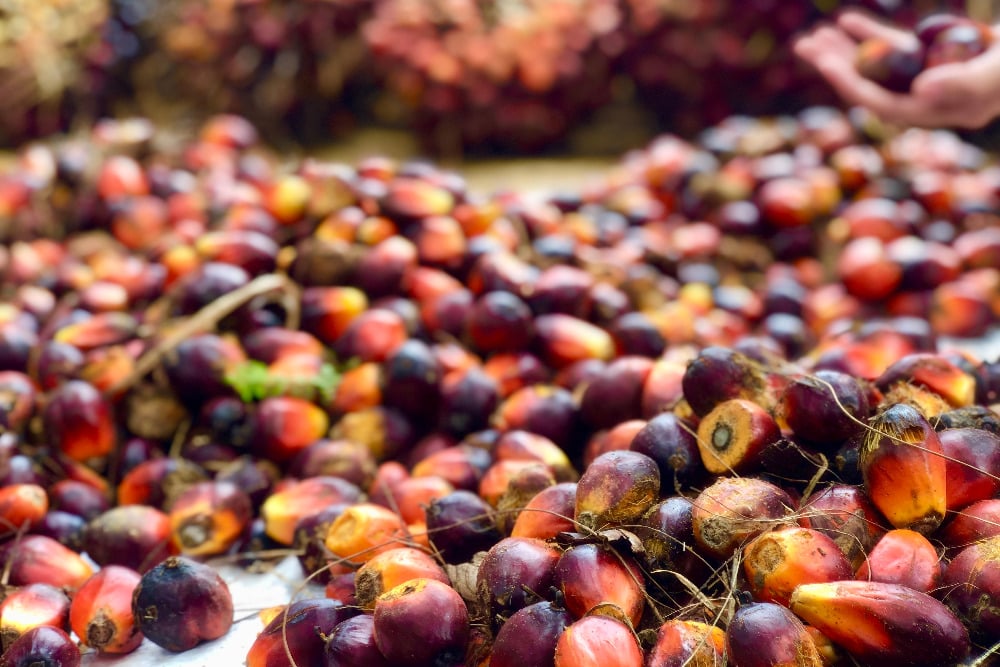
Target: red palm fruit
{"x":250,"y":250}
{"x":524,"y":485}
{"x":529,"y":636}
{"x":359,"y":388}
{"x":933,"y":372}
{"x":391,"y":568}
{"x":680,"y":643}
{"x":959,"y":309}
{"x":372,"y":336}
{"x":272,"y":343}
{"x":589,"y":575}
{"x":662,"y":390}
{"x":499,"y":321}
{"x":527,"y":446}
{"x":134,"y":536}
{"x":497,"y":478}
{"x":563,"y":340}
{"x":512,"y":371}
{"x":892,"y":66}
{"x":671,"y":442}
{"x":180,"y":603}
{"x":440,"y":241}
{"x":44,"y":645}
{"x":411,"y":497}
{"x":826,"y":408}
{"x":733,"y":435}
{"x":403,"y":634}
{"x":121,"y":176}
{"x":460,"y":525}
{"x":885,"y":623}
{"x":615,"y":439}
{"x":972,"y":588}
{"x":776,"y":562}
{"x":78,"y":497}
{"x":298,"y":630}
{"x":866,"y":270}
{"x":36,"y":559}
{"x":364,"y":530}
{"x":843,"y":513}
{"x":972,"y":465}
{"x":462,"y":465}
{"x":352,"y":644}
{"x":615,"y":394}
{"x":718,"y":374}
{"x":515,"y":571}
{"x":101,"y":612}
{"x":21,"y":506}
{"x":207,"y":518}
{"x":544,"y":409}
{"x":904,"y":472}
{"x":328,"y":311}
{"x":98,"y":330}
{"x":157,"y":481}
{"x":387,"y":260}
{"x":30,"y":607}
{"x":78,"y":420}
{"x":597,"y":641}
{"x":734,"y":510}
{"x":617,"y":488}
{"x":764,"y":634}
{"x":285,"y":425}
{"x":903,"y":557}
{"x":548,"y":513}
{"x":787,"y":202}
{"x":286,"y":507}
{"x":973,"y":523}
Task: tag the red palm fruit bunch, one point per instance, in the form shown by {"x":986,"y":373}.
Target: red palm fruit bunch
{"x":288,"y":64}
{"x":42,"y":50}
{"x":495,"y":75}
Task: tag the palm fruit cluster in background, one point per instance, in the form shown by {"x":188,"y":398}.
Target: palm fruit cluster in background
{"x":496,"y":75}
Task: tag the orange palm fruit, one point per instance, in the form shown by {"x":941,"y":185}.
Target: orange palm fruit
{"x":680,"y":643}
{"x":101,"y":611}
{"x":903,"y":469}
{"x":778,"y":561}
{"x":884,"y":624}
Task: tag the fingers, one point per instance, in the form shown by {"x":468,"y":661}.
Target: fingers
{"x":825,"y":41}
{"x":861,"y":26}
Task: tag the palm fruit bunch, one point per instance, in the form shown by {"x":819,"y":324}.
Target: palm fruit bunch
{"x":43,"y":49}
{"x":711,"y":407}
{"x":287,"y":65}
{"x":696,"y":63}
{"x":501,"y":75}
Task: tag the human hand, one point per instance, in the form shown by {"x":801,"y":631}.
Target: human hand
{"x":960,"y":95}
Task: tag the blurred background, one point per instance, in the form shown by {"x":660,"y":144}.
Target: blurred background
{"x":452,"y":79}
